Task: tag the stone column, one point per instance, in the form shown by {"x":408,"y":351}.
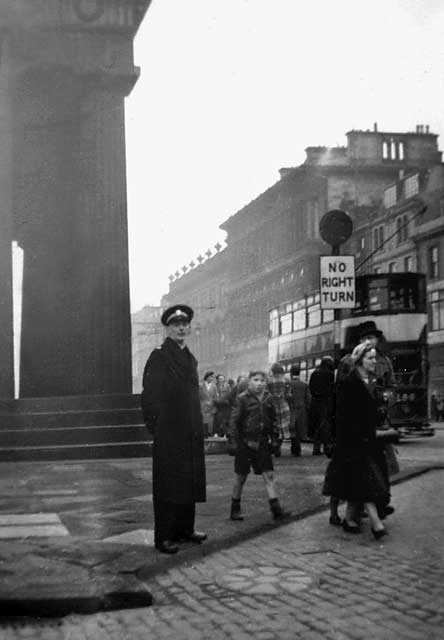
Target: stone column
{"x":71,"y":65}
{"x":6,"y":237}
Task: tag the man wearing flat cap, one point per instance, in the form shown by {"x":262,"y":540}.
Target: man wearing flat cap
{"x":172,"y":414}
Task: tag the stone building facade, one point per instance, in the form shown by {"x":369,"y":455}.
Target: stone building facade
{"x":273,"y":243}
{"x":147,"y":334}
{"x":203,"y":285}
{"x":400,"y":236}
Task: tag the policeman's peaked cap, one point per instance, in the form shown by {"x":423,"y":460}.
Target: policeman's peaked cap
{"x":178,"y":312}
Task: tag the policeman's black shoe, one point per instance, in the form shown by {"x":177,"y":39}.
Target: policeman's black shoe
{"x":167,"y":546}
{"x":196,"y":537}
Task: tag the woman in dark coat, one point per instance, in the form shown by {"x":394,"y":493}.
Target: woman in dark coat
{"x":172,"y":413}
{"x":354,"y":473}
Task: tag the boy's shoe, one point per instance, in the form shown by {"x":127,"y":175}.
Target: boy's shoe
{"x":277,"y":511}
{"x":235,"y":513}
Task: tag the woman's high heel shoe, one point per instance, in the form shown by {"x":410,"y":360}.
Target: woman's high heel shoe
{"x":350,"y":528}
{"x":380,"y":533}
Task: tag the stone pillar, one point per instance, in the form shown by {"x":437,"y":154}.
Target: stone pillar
{"x":71,"y":65}
{"x":6,"y":313}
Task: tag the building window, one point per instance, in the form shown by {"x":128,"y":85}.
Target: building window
{"x":411,"y":186}
{"x":390,"y":196}
{"x":402,"y":229}
{"x":436,"y":310}
{"x":433,"y":262}
{"x":376,"y":269}
{"x":362,"y":242}
{"x":378,"y":237}
{"x":393,"y":149}
{"x":313,"y":218}
{"x":392,"y":267}
{"x":441,"y":206}
{"x":408,"y":263}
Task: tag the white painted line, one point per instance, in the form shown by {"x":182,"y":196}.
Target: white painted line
{"x":38,"y":531}
{"x":28,"y":519}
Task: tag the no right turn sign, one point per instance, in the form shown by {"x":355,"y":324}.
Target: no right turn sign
{"x":337,"y":286}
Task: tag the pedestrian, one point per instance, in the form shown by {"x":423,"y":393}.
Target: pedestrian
{"x":299,"y":407}
{"x":222,"y":406}
{"x":321,"y":386}
{"x":434,"y":407}
{"x":253,"y":437}
{"x":354,"y":474}
{"x":368,"y":332}
{"x":171,"y":410}
{"x":207,"y":392}
{"x":239,"y":387}
{"x":279,"y":390}
{"x":440,"y":407}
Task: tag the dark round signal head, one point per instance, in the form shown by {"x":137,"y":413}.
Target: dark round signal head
{"x":335,"y":227}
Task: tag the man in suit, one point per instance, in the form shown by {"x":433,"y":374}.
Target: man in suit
{"x":299,"y":408}
{"x":172,"y":414}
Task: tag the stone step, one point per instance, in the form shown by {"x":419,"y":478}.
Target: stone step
{"x":70,"y":418}
{"x":76,"y":452}
{"x":71,"y":403}
{"x":92,"y":451}
{"x":72,"y":436}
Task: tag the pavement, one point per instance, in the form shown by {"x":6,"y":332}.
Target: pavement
{"x":77,"y":558}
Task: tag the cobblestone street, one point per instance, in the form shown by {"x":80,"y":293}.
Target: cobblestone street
{"x":305,"y":579}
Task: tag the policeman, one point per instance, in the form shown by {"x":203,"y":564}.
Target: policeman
{"x":172,"y":414}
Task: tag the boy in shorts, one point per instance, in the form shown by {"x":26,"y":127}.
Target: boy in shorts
{"x":253,"y":436}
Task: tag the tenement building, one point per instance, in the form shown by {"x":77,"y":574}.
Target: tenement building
{"x":203,"y":284}
{"x":273,"y":243}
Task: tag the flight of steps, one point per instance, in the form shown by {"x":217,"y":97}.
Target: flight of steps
{"x":72,"y":428}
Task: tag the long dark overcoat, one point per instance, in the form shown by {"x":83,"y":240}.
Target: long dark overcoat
{"x":355,"y":473}
{"x":171,"y":410}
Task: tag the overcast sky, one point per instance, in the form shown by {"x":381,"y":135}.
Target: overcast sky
{"x":232,"y":90}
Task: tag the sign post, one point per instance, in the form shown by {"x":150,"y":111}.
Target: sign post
{"x":337,"y":282}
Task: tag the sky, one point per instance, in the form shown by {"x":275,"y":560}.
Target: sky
{"x":232,"y":90}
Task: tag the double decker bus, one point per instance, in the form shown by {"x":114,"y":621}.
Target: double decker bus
{"x":301,"y":332}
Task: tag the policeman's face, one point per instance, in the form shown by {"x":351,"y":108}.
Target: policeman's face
{"x":257,"y":383}
{"x":178,"y":330}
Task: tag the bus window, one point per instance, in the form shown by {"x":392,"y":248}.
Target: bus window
{"x":314,"y":315}
{"x":274,"y":323}
{"x":407,"y":366}
{"x":286,"y":323}
{"x":403,"y":296}
{"x":378,"y":295}
{"x":299,"y":320}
